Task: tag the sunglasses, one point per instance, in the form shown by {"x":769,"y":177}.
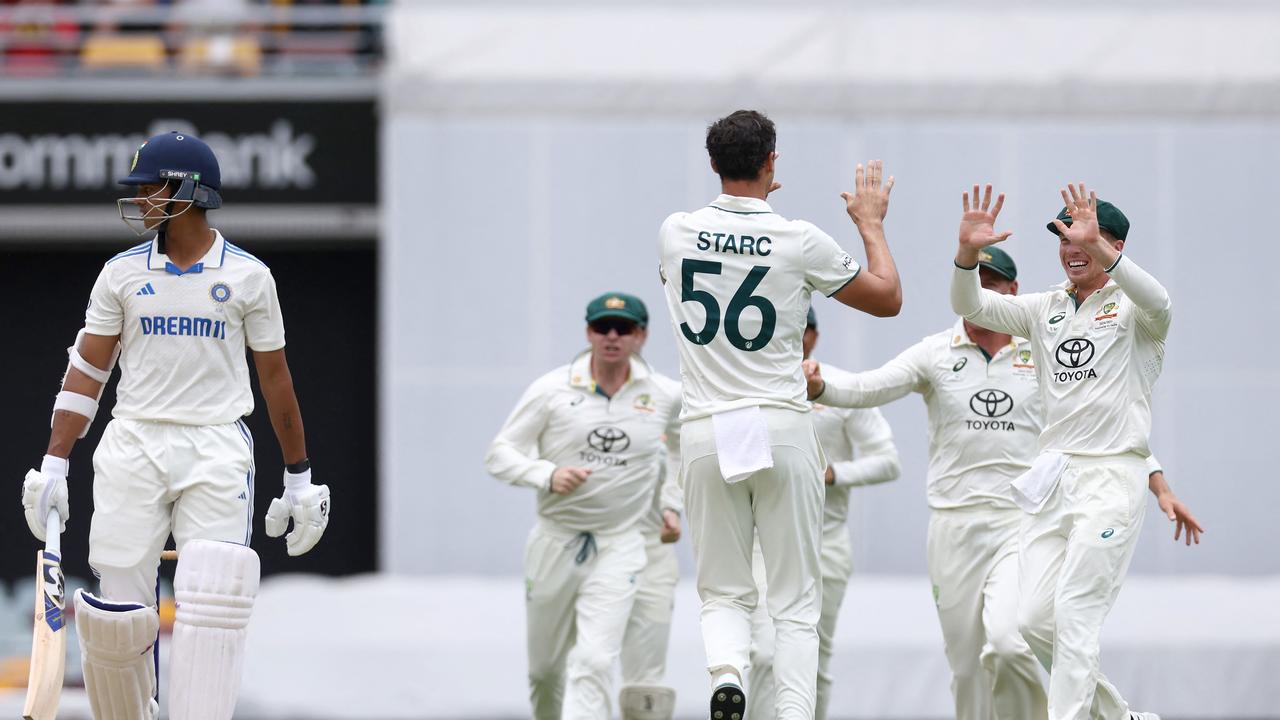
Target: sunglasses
{"x":604,"y":325}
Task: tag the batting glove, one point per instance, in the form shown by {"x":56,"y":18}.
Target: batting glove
{"x":307,"y":504}
{"x":43,"y":490}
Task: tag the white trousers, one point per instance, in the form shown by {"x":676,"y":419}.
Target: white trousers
{"x":579,"y":589}
{"x":783,"y":506}
{"x":154,"y":478}
{"x":644,"y":647}
{"x":836,"y":563}
{"x":1074,"y":556}
{"x":973,"y":565}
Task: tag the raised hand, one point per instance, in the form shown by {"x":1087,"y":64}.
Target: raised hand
{"x":977,"y":224}
{"x":1082,"y":206}
{"x":869,"y":202}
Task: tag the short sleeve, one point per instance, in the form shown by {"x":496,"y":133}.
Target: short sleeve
{"x":263,"y":321}
{"x":827,"y":267}
{"x":105,"y":314}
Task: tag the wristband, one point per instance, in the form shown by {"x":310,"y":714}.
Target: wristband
{"x":963,"y":267}
{"x":301,"y":466}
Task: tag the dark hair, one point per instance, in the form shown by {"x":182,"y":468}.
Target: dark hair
{"x":739,"y":143}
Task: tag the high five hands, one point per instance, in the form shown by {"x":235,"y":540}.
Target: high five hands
{"x":977,"y":224}
{"x":869,"y":202}
{"x":1083,"y":231}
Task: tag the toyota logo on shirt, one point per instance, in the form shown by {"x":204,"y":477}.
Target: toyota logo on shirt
{"x":1074,"y":352}
{"x":608,"y":439}
{"x":991,"y":403}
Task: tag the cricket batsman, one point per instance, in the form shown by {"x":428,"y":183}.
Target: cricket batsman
{"x":1097,"y":345}
{"x":738,"y":279}
{"x":589,"y":438}
{"x":860,"y":450}
{"x":178,"y":312}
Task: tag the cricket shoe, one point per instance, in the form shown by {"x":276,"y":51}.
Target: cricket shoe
{"x":1143,"y":716}
{"x":728,"y":701}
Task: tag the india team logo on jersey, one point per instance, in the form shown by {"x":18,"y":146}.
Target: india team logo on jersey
{"x":220,"y":292}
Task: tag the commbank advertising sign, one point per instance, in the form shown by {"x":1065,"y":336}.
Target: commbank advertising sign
{"x":278,"y":153}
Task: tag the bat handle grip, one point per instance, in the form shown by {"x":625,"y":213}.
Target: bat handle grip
{"x":53,"y":532}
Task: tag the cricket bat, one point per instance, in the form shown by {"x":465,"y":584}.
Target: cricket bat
{"x":49,"y":641}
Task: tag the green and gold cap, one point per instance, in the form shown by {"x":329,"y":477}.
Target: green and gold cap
{"x":1109,"y":218}
{"x":998,"y":262}
{"x":619,"y":305}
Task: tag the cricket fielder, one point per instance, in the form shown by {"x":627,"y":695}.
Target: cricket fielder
{"x":589,"y":437}
{"x":179,"y":311}
{"x":985,"y":414}
{"x":1098,"y":345}
{"x":859,"y":446}
{"x":648,"y":634}
{"x":738,"y":279}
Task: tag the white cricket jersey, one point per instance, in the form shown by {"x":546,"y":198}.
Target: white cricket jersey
{"x":859,"y":446}
{"x":738,"y":278}
{"x":183,"y":334}
{"x":563,"y":421}
{"x":1097,"y":363}
{"x":984,"y":415}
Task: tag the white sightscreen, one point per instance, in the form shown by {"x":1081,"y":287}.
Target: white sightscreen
{"x":499,"y":228}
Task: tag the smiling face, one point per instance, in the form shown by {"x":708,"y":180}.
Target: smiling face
{"x":615,"y":340}
{"x":1082,"y":270}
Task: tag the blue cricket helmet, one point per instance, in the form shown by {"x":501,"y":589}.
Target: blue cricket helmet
{"x":181,"y":157}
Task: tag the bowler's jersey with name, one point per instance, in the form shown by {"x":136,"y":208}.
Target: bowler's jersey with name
{"x":738,"y":279}
{"x":183,"y":334}
{"x":562,"y":421}
{"x":984,"y":416}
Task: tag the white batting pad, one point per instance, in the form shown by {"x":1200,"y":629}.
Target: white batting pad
{"x":647,"y":702}
{"x":215,"y":585}
{"x":115,"y":649}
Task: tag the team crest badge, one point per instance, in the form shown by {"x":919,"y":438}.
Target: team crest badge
{"x":1024,"y":356}
{"x":220,"y":292}
{"x":615,"y":303}
{"x":644,"y":403}
{"x":1108,"y":307}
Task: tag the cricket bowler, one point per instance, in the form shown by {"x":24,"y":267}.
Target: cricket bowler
{"x":1097,"y":342}
{"x":859,"y":447}
{"x":588,"y":438}
{"x":179,"y":312}
{"x":738,"y":279}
